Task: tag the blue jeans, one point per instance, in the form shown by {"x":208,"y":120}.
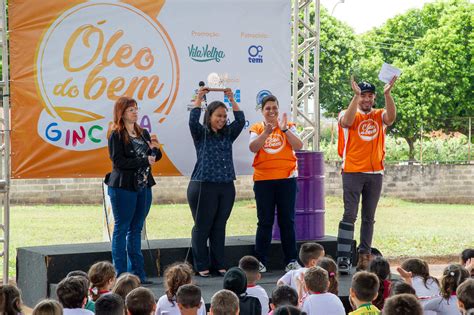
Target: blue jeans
{"x":279,"y":193}
{"x":130,"y":209}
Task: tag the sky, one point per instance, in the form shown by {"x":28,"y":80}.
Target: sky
{"x":363,"y":15}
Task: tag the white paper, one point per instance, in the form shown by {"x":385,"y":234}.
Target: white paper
{"x":388,"y":72}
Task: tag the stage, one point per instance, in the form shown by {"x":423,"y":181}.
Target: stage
{"x":40,"y":268}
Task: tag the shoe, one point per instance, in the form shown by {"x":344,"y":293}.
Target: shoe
{"x":344,"y":265}
{"x":204,"y":274}
{"x":146,"y":282}
{"x":261,"y":267}
{"x":293,"y":265}
{"x":363,"y":262}
{"x":221,"y":272}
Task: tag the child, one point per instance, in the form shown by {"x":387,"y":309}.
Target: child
{"x":319,"y":301}
{"x":189,"y":300}
{"x":446,"y":304}
{"x":465,"y":294}
{"x":381,"y":268}
{"x":90,"y":305}
{"x":309,"y":255}
{"x":236,"y":281}
{"x":402,"y":304}
{"x":250,"y":265}
{"x":125,"y":284}
{"x":102,"y":278}
{"x":10,"y":298}
{"x":400,"y":287}
{"x":283,"y":295}
{"x":72,"y":294}
{"x":328,"y":264}
{"x":467,"y":260}
{"x":176,"y":275}
{"x":289,"y":310}
{"x":424,"y":285}
{"x":110,"y":304}
{"x":224,"y":302}
{"x":48,"y":307}
{"x":363,"y":291}
{"x":140,"y":301}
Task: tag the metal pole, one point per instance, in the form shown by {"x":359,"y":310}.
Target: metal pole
{"x":294,"y":110}
{"x":316,"y":108}
{"x":469,"y":139}
{"x":6,"y":117}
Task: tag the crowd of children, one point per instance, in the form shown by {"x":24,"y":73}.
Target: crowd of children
{"x":311,"y":289}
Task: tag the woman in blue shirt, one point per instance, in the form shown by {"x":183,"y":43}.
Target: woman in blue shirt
{"x":211,"y":191}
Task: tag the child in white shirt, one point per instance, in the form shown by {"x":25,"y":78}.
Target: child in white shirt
{"x":250,"y":265}
{"x":309,"y":255}
{"x":175,"y":276}
{"x":318,"y":301}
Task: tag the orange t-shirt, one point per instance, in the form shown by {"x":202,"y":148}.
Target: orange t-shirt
{"x":362,"y":145}
{"x":275,"y":159}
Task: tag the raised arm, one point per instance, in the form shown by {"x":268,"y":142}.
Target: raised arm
{"x":259,"y":141}
{"x":390,"y":108}
{"x":293,"y":138}
{"x":348,"y":119}
{"x":194,"y":125}
{"x":239,"y":118}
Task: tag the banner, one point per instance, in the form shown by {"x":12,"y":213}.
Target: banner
{"x":71,"y":60}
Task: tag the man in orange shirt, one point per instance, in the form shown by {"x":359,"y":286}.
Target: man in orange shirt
{"x":361,"y":145}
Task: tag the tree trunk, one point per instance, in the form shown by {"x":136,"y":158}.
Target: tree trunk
{"x":411,"y":148}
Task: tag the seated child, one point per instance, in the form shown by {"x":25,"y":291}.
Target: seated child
{"x":402,"y":304}
{"x":224,"y":302}
{"x":48,"y":307}
{"x":10,"y":298}
{"x":176,"y":275}
{"x":288,"y":310}
{"x":309,"y":255}
{"x":236,"y":281}
{"x":102,"y":278}
{"x":110,"y":304}
{"x":125,"y":284}
{"x":465,"y":294}
{"x":319,"y":301}
{"x":250,"y":265}
{"x":283,"y":295}
{"x":140,"y":301}
{"x":72,"y":294}
{"x":400,"y":287}
{"x":364,"y":289}
{"x":381,"y":268}
{"x":189,"y":299}
{"x":446,"y":304}
{"x":328,"y":264}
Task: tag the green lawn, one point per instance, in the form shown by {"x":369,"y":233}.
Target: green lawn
{"x":402,"y":228}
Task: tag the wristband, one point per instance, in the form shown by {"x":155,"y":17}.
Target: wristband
{"x":284,"y":130}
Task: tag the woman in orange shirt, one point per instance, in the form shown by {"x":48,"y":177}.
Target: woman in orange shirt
{"x":275,"y":173}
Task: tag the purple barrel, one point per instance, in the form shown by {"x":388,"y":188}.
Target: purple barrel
{"x":309,"y":220}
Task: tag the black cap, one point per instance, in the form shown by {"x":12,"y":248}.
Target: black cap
{"x":235,"y":280}
{"x":366,"y":87}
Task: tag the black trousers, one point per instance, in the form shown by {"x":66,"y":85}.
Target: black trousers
{"x":279,"y":194}
{"x":369,"y":186}
{"x":211,"y":204}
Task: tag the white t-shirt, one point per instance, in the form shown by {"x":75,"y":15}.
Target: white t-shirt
{"x":441,"y":306}
{"x":323,"y":304}
{"x":260,"y":293}
{"x":431,"y":288}
{"x":77,"y":311}
{"x":165,"y":307}
{"x":291,"y":278}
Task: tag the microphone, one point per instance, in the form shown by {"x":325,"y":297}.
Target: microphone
{"x":202,"y":84}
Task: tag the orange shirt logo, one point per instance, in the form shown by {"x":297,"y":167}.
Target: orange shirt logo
{"x":368,"y":130}
{"x":274,"y":143}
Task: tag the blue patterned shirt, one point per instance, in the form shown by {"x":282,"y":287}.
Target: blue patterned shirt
{"x":214,"y":149}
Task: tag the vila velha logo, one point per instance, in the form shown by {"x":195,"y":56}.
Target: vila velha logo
{"x":90,"y":56}
{"x":205,"y":53}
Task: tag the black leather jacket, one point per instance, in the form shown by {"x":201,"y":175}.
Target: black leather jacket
{"x":126,"y":163}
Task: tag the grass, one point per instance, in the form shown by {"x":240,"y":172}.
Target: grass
{"x":402,"y":229}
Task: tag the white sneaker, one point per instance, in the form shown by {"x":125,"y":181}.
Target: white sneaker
{"x":292,"y":266}
{"x":261,"y":267}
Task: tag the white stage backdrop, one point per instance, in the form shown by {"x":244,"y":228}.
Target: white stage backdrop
{"x":91,"y":52}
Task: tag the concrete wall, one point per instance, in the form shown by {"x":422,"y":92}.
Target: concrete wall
{"x":433,"y":183}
